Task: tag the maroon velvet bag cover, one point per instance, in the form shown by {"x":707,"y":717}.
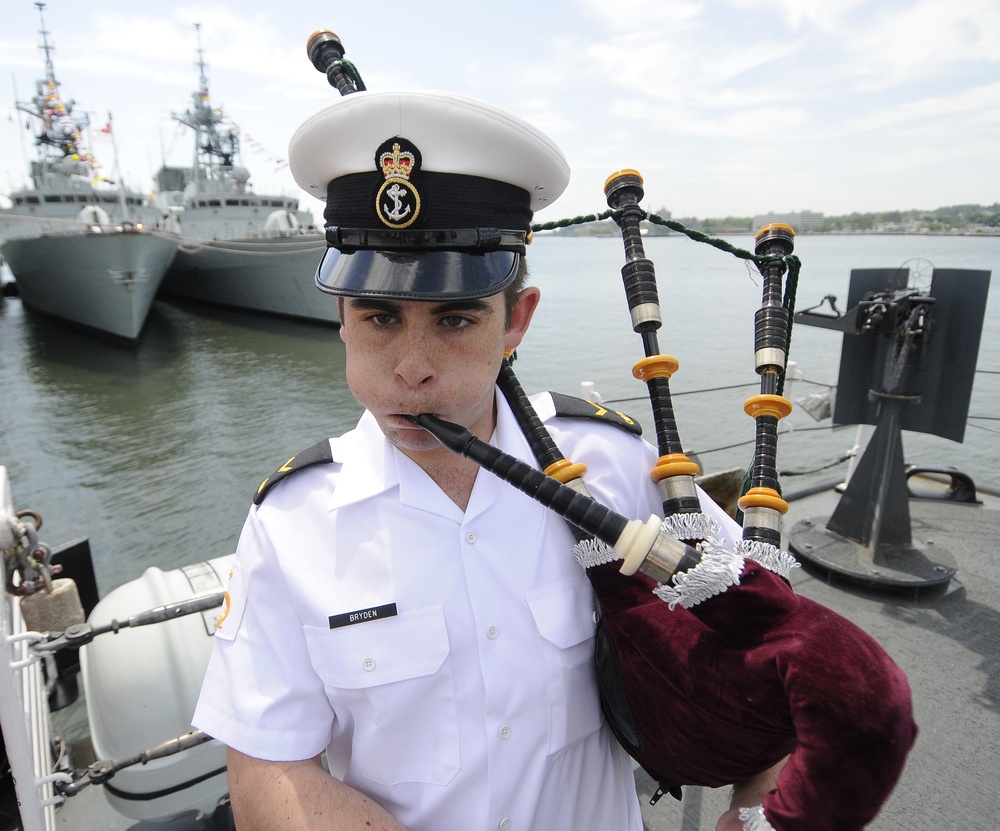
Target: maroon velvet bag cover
{"x":730,"y":687}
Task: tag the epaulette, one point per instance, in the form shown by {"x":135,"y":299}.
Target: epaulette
{"x":318,"y":454}
{"x":569,"y":407}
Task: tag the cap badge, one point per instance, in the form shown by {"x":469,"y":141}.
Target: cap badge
{"x":398,"y":201}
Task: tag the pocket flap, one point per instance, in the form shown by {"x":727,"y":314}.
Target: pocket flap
{"x":564,"y":612}
{"x":408,"y":645}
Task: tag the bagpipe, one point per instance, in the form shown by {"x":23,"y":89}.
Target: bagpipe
{"x":711,"y":668}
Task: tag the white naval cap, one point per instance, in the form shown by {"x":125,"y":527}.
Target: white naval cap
{"x":429,"y":194}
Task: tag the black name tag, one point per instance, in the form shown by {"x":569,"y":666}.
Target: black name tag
{"x":363,"y":615}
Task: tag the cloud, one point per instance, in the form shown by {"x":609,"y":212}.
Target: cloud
{"x":728,"y":106}
{"x":917,"y":41}
{"x":979,"y":106}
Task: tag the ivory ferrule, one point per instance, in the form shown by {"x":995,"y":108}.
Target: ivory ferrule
{"x":677,"y":488}
{"x":762,"y":518}
{"x":578,"y":485}
{"x":645,"y":313}
{"x":769,"y":356}
{"x":663,"y":559}
{"x":636,"y":541}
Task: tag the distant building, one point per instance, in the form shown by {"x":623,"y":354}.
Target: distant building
{"x":800,"y":221}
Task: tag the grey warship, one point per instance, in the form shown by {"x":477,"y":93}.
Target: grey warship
{"x":79,"y":247}
{"x":239,"y":249}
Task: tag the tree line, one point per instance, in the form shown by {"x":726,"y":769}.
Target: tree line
{"x":950,"y":219}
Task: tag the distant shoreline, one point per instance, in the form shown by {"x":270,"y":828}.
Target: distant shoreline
{"x":731,"y":232}
{"x":989,"y":232}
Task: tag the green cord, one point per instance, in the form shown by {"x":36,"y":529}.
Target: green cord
{"x":350,"y":70}
{"x":793,"y":263}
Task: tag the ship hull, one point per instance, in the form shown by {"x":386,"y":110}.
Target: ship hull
{"x":273,"y":275}
{"x":104,"y":281}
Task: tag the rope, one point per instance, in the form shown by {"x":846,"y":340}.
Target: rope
{"x":253,"y":249}
{"x":797,"y":430}
{"x":791,"y":278}
{"x":982,"y":427}
{"x":831,"y":463}
{"x":583,"y":219}
{"x":353,"y":74}
{"x":679,"y":393}
{"x":51,"y":227}
{"x":349,"y":69}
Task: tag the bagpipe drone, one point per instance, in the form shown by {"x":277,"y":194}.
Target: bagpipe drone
{"x":712,"y":669}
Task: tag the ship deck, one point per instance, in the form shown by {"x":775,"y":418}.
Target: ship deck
{"x":946,"y":638}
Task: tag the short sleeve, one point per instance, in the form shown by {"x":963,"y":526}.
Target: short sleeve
{"x":260,"y":694}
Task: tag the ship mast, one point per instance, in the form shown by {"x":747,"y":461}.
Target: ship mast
{"x":215,"y":149}
{"x":58,"y":124}
{"x":50,"y":73}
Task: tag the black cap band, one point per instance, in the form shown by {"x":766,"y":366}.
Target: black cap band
{"x":446,"y":200}
{"x":449,"y":239}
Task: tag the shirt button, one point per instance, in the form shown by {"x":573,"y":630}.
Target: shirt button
{"x":492,"y":632}
{"x":504,"y":824}
{"x":470,"y":537}
{"x":504,"y":731}
{"x":368,"y":664}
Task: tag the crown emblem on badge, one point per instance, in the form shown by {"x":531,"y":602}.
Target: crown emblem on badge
{"x":397,"y":202}
{"x":397,"y":162}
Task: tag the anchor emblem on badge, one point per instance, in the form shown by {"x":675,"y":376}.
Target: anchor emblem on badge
{"x":397,"y":202}
{"x":397,"y":194}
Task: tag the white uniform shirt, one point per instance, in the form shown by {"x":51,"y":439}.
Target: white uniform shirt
{"x":444,"y":660}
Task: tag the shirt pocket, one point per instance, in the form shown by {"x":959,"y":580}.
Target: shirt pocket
{"x":391,"y":682}
{"x":564,"y":615}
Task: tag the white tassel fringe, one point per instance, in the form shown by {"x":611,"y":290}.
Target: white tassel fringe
{"x":780,"y":562}
{"x":753,"y":819}
{"x":719,"y":569}
{"x":594,"y":552}
{"x":691,"y":527}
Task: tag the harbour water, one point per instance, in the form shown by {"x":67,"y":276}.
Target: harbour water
{"x":153,"y":450}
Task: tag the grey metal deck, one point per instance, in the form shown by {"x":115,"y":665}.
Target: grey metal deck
{"x":947,"y":640}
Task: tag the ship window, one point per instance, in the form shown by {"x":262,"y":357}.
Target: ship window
{"x":107,"y":197}
{"x":53,"y":198}
{"x":33,"y":200}
{"x":244,"y":202}
{"x":215,"y":203}
{"x":81,"y":199}
{"x":232,"y":201}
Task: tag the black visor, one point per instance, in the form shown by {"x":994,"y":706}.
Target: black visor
{"x":423,"y":275}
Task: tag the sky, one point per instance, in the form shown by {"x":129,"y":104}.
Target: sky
{"x":726,"y":107}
